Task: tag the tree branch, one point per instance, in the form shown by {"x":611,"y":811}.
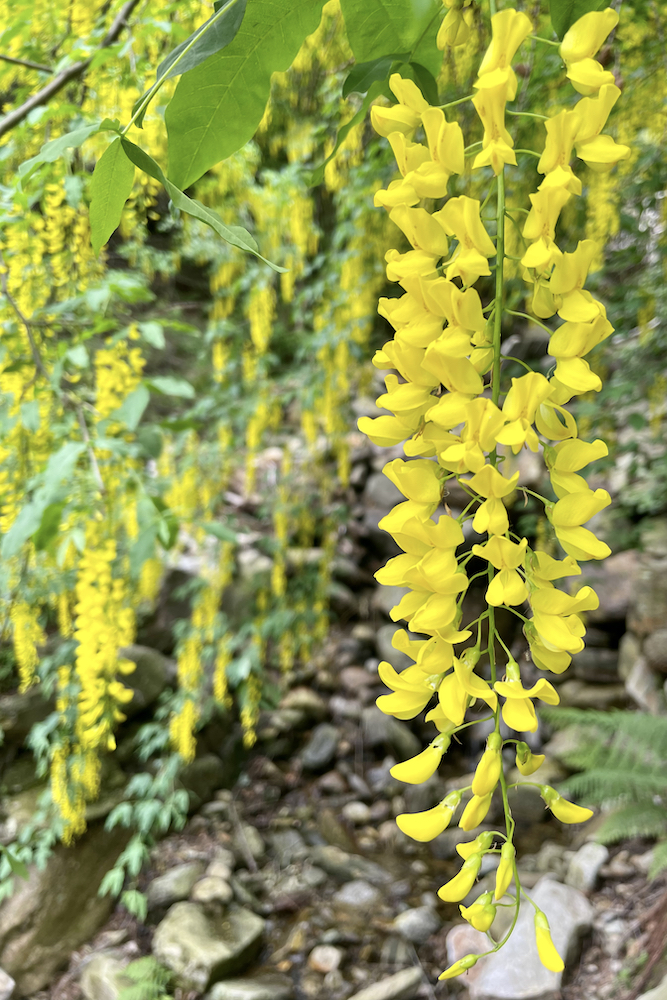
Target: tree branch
{"x":27,"y":63}
{"x":44,"y":95}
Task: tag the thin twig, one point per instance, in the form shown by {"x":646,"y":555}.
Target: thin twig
{"x":44,"y":95}
{"x":89,"y":448}
{"x":27,"y":63}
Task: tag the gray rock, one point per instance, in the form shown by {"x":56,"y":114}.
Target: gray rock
{"x":614,"y":584}
{"x":212,"y":889}
{"x":385,"y":650}
{"x":578,"y":694}
{"x":418,"y":924}
{"x":204,"y":776}
{"x":269,"y":986}
{"x":174,"y":885}
{"x":7,"y":985}
{"x":299,"y":880}
{"x":643,"y":687}
{"x":515,"y":972}
{"x":356,"y":812}
{"x":653,"y":537}
{"x":648,"y":612}
{"x":320,"y":750}
{"x":103,"y":976}
{"x":57,"y":909}
{"x":200,"y":949}
{"x":152,"y":673}
{"x":20,"y":711}
{"x":614,"y":935}
{"x":310,"y":705}
{"x":596,"y":665}
{"x":402,"y":986}
{"x":248,"y":841}
{"x":655,"y":650}
{"x":345,"y":867}
{"x":325,"y":958}
{"x":657,"y":993}
{"x":357,"y":895}
{"x":380,"y":730}
{"x":385,"y":598}
{"x":288,"y":846}
{"x":629,"y":651}
{"x":585,"y":866}
{"x":380,"y":492}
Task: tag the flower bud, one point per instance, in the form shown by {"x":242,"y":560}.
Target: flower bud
{"x":425,"y":826}
{"x":480,"y":844}
{"x":481,"y":914}
{"x":457,"y":968}
{"x":505,"y":870}
{"x":458,"y":887}
{"x":489,"y":767}
{"x":546,"y":949}
{"x":475,"y":812}
{"x":423,"y":766}
{"x":527,"y":762}
{"x":566,"y":812}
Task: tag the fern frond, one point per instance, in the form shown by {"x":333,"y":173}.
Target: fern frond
{"x":647,"y":820}
{"x":625,"y":784}
{"x":659,"y":862}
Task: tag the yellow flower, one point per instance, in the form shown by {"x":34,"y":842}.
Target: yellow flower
{"x":566,"y":458}
{"x":412,"y":691}
{"x":600,"y":152}
{"x":481,"y":914}
{"x":483,"y":421}
{"x":425,"y":826}
{"x":570,"y":513}
{"x":509,"y":29}
{"x":459,"y":967}
{"x":497,"y":142}
{"x":541,"y":568}
{"x":556,"y":617}
{"x":518,"y":710}
{"x":487,"y":773}
{"x":470,"y":682}
{"x":525,"y":395}
{"x":540,"y":227}
{"x":423,"y":766}
{"x":505,"y":870}
{"x":526,"y":761}
{"x":546,"y":949}
{"x":445,"y":141}
{"x":481,"y":843}
{"x":417,"y":480}
{"x":555,"y":160}
{"x":474,"y":814}
{"x":462,"y":220}
{"x":457,"y":24}
{"x":404,"y":117}
{"x":459,"y":886}
{"x":580,"y":44}
{"x":422,"y":230}
{"x":491,"y":516}
{"x":566,"y":812}
{"x":507,"y":587}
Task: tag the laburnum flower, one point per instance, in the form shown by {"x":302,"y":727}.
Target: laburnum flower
{"x":481,"y":913}
{"x":425,"y":826}
{"x":566,"y":812}
{"x":483,"y":422}
{"x":456,"y":374}
{"x":567,"y":283}
{"x":567,"y":517}
{"x":518,"y":710}
{"x":491,"y":516}
{"x":418,"y":480}
{"x":509,"y":28}
{"x":566,"y":458}
{"x":580,"y":44}
{"x":555,"y":159}
{"x":457,"y":23}
{"x":411,"y":691}
{"x":472,"y":683}
{"x":403,"y":117}
{"x":556,"y":617}
{"x":526,"y":761}
{"x":474,"y":814}
{"x":460,"y":966}
{"x":600,"y":152}
{"x":480,"y":844}
{"x":505,"y":870}
{"x":462,"y":220}
{"x":422,"y":767}
{"x":487,"y":773}
{"x":446,"y":146}
{"x":569,"y":344}
{"x":540,"y":227}
{"x":458,"y":887}
{"x":497,"y":143}
{"x":542,"y":569}
{"x":525,"y":395}
{"x":546,"y":949}
{"x":423,"y":230}
{"x":507,"y":587}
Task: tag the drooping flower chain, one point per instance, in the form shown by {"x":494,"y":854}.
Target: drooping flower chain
{"x":443,"y":409}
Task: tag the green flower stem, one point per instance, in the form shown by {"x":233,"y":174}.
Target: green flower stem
{"x":532,"y":319}
{"x":545,"y":41}
{"x":527,"y":114}
{"x":529,"y":152}
{"x":509,"y":357}
{"x":452,"y":104}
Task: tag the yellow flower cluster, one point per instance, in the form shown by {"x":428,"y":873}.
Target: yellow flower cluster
{"x":27,"y":635}
{"x":445,"y":405}
{"x":117,"y":373}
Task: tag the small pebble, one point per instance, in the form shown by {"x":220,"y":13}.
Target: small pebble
{"x":325,"y":958}
{"x":212,"y":889}
{"x":357,"y":813}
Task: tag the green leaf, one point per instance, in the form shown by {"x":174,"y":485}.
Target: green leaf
{"x":317,"y":175}
{"x":53,"y":150}
{"x":364,"y":74}
{"x":565,"y":12}
{"x":18,"y":867}
{"x":170,"y":385}
{"x":135,"y":903}
{"x":220,"y":531}
{"x":132,"y":409}
{"x":111,"y":186}
{"x":78,"y":356}
{"x":376,"y":27}
{"x":425,"y":81}
{"x":209,"y":38}
{"x":217,"y":106}
{"x":48,"y":526}
{"x":152,"y":333}
{"x":234,"y":235}
{"x":30,"y":415}
{"x":150,"y":439}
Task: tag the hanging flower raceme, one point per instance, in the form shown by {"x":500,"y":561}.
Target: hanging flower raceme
{"x":457,"y":417}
